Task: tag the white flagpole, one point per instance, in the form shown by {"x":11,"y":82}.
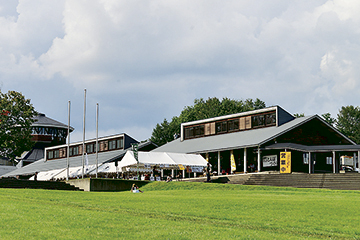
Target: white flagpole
{"x":97,"y":138}
{"x":68,"y":143}
{"x":83,"y":146}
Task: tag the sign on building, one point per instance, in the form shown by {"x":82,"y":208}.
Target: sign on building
{"x":270,"y":161}
{"x":285,"y":162}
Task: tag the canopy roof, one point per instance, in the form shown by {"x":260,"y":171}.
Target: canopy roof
{"x":162,"y":160}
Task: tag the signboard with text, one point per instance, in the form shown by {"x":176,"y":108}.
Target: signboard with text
{"x":270,"y":161}
{"x":285,"y":162}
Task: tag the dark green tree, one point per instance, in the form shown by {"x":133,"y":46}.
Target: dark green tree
{"x":348,"y":122}
{"x":327,"y":117}
{"x":202,"y":109}
{"x":297,"y":115}
{"x":16,"y":117}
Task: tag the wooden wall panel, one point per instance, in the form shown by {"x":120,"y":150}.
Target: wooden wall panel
{"x":207,"y":129}
{"x":248,"y":122}
{"x":212,"y":128}
{"x":242,"y":123}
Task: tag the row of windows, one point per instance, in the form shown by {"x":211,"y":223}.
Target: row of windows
{"x":56,"y":132}
{"x":263,"y":120}
{"x":90,"y":148}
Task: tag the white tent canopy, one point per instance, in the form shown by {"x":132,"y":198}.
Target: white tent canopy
{"x":162,"y":160}
{"x":48,"y":175}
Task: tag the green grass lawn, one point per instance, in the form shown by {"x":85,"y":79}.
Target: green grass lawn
{"x":180,"y":210}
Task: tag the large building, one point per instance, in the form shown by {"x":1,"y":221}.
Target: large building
{"x":81,"y":159}
{"x":253,"y":141}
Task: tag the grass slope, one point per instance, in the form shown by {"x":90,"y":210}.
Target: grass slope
{"x":180,"y":210}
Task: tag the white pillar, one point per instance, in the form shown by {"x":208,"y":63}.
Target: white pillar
{"x":354,"y":160}
{"x":259,"y":159}
{"x":245,"y":161}
{"x":183,"y":174}
{"x":310,"y":162}
{"x":194,"y":174}
{"x":333,"y":161}
{"x":219,"y":163}
{"x":172,"y":173}
{"x":358,"y":160}
{"x":162,"y":173}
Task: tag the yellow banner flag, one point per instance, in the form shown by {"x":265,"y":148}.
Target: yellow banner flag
{"x":232,"y":161}
{"x":285,"y":162}
{"x":181,"y":167}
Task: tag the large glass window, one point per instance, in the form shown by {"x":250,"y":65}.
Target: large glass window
{"x":196,"y":131}
{"x":50,"y":154}
{"x":270,"y":119}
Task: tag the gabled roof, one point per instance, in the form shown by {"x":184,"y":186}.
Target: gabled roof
{"x":236,"y":140}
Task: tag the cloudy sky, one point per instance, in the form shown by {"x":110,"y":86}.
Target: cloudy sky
{"x":143,"y":61}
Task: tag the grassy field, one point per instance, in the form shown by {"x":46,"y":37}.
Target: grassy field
{"x":180,"y":210}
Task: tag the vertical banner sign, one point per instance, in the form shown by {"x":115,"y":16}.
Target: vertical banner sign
{"x":232,"y":161}
{"x":285,"y":162}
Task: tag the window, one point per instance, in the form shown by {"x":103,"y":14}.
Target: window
{"x":233,"y":125}
{"x":221,"y":127}
{"x":270,"y":119}
{"x":90,"y":148}
{"x":329,"y":160}
{"x":50,"y":154}
{"x":196,"y":131}
{"x":56,"y":153}
{"x":120,"y":143}
{"x":112,"y":144}
{"x":74,"y":151}
{"x":306,"y":158}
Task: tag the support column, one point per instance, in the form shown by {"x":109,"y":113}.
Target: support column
{"x":333,"y":161}
{"x":259,"y":159}
{"x":245,"y":161}
{"x":358,"y":160}
{"x":183,"y":174}
{"x":310,"y":162}
{"x":219,"y":163}
{"x":172,"y":173}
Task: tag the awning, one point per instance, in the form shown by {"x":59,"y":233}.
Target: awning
{"x":161,"y":160}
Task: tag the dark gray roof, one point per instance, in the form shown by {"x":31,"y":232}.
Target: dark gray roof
{"x":6,"y":169}
{"x":34,"y":155}
{"x":320,"y":148}
{"x":242,"y":139}
{"x":43,"y":166}
{"x":43,"y":121}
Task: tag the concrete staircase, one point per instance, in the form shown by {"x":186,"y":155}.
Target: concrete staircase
{"x":347,"y":181}
{"x":14,"y":183}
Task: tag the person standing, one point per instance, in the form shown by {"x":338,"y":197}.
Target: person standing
{"x":208,"y":171}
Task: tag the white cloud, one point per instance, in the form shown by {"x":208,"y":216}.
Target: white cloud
{"x":145,"y":60}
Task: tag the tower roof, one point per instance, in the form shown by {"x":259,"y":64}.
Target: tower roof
{"x":41,"y":120}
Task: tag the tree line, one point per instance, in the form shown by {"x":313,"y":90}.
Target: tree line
{"x":347,"y":121}
{"x":17,"y":115}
